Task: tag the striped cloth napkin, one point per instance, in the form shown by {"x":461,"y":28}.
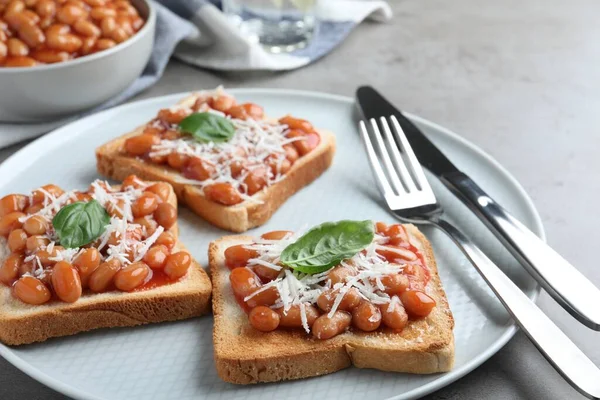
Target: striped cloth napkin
{"x":197,"y":32}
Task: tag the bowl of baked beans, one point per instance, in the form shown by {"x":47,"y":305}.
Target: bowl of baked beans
{"x":62,"y":57}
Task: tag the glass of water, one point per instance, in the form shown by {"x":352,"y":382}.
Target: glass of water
{"x":279,"y":25}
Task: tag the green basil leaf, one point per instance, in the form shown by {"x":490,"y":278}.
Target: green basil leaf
{"x":326,"y":245}
{"x":80,"y":223}
{"x":207,"y":127}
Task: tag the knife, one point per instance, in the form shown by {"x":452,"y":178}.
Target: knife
{"x":569,"y":287}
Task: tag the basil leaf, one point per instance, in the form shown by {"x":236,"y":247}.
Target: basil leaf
{"x":80,"y":223}
{"x":207,"y":127}
{"x":326,"y":245}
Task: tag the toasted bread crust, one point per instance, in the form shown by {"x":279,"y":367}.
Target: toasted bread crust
{"x":113,"y":162}
{"x":244,"y":355}
{"x":21,"y":323}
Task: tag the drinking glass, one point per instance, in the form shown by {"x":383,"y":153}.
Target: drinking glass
{"x":279,"y":25}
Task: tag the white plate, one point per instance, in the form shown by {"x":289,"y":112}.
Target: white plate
{"x":175,"y":360}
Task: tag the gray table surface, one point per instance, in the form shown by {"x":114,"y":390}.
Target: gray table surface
{"x":519,"y":79}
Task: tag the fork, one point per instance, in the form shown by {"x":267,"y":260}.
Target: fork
{"x":409,"y":196}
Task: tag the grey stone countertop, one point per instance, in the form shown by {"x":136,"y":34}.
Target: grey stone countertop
{"x":519,"y":79}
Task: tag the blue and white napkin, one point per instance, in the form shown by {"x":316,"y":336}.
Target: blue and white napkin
{"x":198,"y":33}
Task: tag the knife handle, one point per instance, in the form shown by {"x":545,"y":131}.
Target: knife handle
{"x":569,"y":287}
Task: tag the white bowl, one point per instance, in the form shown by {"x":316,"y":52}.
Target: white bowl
{"x":53,"y":91}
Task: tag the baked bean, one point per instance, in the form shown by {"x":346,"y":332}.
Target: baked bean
{"x":349,"y":302}
{"x":395,"y":253}
{"x":263,"y":319}
{"x":132,"y":276}
{"x":69,"y":13}
{"x":41,"y":195}
{"x":66,"y":282}
{"x":99,"y":13}
{"x":16,"y":62}
{"x":395,"y":284}
{"x":291,"y":153}
{"x":126,"y":9}
{"x":381,"y":228}
{"x":12,"y":203}
{"x":55,"y":36}
{"x":238,"y":256}
{"x":236,"y":167}
{"x":326,"y":328}
{"x":156,"y":257}
{"x":17,"y":48}
{"x":276,"y":235}
{"x":87,"y":45}
{"x":31,"y":290}
{"x":32,"y":209}
{"x":296,"y":123}
{"x":267,"y":297}
{"x":95,"y":3}
{"x":124,"y":22}
{"x":102,"y":278}
{"x":166,"y":239}
{"x":307,"y":142}
{"x":256,"y":180}
{"x":223,"y":193}
{"x":15,"y":6}
{"x":27,"y":267}
{"x":394,"y":315}
{"x":165,"y":215}
{"x":116,"y":209}
{"x":144,"y":205}
{"x":416,"y":274}
{"x":340,"y":274}
{"x":148,"y":224}
{"x":17,"y":240}
{"x":172,"y":116}
{"x":141,"y":144}
{"x":265,"y":274}
{"x":161,"y":189}
{"x":9,"y":270}
{"x":293,"y":318}
{"x":103,"y":44}
{"x":45,"y":8}
{"x":417,"y":303}
{"x":34,"y":243}
{"x":35,"y":225}
{"x":221,"y":103}
{"x":177,"y":160}
{"x":278,"y":166}
{"x":177,"y":264}
{"x":132,"y":181}
{"x":32,"y":35}
{"x":107,"y":26}
{"x":10,"y":222}
{"x":198,"y":169}
{"x":16,"y":20}
{"x":119,"y":35}
{"x":238,"y":112}
{"x":243,"y":281}
{"x":86,"y":28}
{"x":366,"y":316}
{"x":3,"y":50}
{"x":46,"y":256}
{"x":87,"y":262}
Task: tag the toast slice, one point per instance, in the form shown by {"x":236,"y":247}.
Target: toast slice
{"x":113,"y":162}
{"x":22,"y":323}
{"x":243,"y":355}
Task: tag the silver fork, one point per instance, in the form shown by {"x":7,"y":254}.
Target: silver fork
{"x":408,"y":194}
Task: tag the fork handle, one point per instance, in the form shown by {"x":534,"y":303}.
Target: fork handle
{"x":558,"y":349}
{"x":569,"y":287}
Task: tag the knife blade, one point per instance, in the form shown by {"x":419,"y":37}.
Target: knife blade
{"x":569,"y":287}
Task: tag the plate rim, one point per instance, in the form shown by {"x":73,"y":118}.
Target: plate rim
{"x":443,"y":379}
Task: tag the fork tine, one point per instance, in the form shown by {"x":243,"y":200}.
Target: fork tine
{"x":410,"y":154}
{"x":402,"y":170}
{"x":375,"y":164}
{"x":391,"y":171}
